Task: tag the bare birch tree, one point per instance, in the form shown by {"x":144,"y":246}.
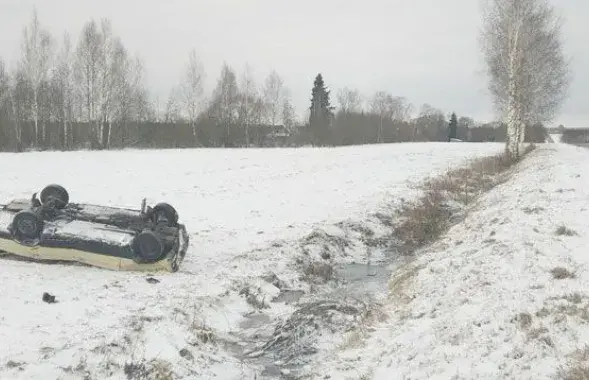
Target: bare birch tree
{"x":18,"y":104}
{"x":272,"y":96}
{"x":114,"y":58}
{"x":528,"y":72}
{"x":63,"y":86}
{"x":349,"y":100}
{"x":172,"y":111}
{"x":249,"y":95}
{"x":400,"y":108}
{"x":89,"y":61}
{"x":192,"y":89}
{"x":225,"y":103}
{"x":37,"y":53}
{"x":101,"y":59}
{"x":288,"y":111}
{"x":128,"y":94}
{"x":4,"y":102}
{"x":4,"y":83}
{"x":430,"y":123}
{"x":382,"y":105}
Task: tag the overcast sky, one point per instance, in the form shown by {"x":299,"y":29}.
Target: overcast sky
{"x":425,"y":50}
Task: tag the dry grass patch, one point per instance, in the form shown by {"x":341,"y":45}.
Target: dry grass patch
{"x":561,"y":308}
{"x":316,"y":271}
{"x":561,"y":273}
{"x":524,"y":320}
{"x":155,"y":369}
{"x":445,"y":199}
{"x":578,"y":371}
{"x":400,"y":282}
{"x":564,"y":231}
{"x":578,"y":366}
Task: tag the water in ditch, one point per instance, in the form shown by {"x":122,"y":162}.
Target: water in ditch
{"x":285,"y":348}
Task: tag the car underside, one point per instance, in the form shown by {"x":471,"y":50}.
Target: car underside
{"x":53,"y":229}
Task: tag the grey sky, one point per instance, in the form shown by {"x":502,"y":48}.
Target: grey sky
{"x":425,"y":50}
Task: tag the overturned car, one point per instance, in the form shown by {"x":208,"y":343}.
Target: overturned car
{"x":51,"y":228}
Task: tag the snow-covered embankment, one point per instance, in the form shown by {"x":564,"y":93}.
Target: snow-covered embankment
{"x":503,"y":294}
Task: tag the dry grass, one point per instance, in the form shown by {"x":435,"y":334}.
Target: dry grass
{"x":355,"y":337}
{"x":524,"y":320}
{"x":578,"y":371}
{"x":578,"y":366}
{"x":560,"y":273}
{"x":318,"y":271}
{"x":201,"y":333}
{"x":155,"y":369}
{"x":425,"y":220}
{"x":564,"y":231}
{"x":399,"y":284}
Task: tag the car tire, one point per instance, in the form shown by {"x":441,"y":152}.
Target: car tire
{"x":55,"y":193}
{"x":167,"y":211}
{"x":148,"y":247}
{"x":27,"y":225}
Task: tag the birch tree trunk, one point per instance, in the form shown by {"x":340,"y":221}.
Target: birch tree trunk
{"x":192,"y":90}
{"x":529,"y":75}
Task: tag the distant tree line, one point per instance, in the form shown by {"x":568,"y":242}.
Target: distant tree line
{"x":92,"y":94}
{"x":575,"y":136}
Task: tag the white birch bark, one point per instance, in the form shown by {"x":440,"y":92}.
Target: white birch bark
{"x":192,"y":89}
{"x":528,"y":72}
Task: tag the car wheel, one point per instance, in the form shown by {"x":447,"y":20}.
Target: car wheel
{"x":56,"y":194}
{"x":27,"y":225}
{"x":148,"y":246}
{"x":165,"y":211}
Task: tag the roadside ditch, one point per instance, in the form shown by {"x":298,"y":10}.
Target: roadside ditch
{"x":344,"y":272}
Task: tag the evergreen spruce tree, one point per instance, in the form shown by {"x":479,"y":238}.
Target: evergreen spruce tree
{"x":321,"y":113}
{"x":452,"y":127}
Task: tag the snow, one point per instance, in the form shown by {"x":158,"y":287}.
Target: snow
{"x":91,"y":231}
{"x":482,"y":303}
{"x":5,"y":220}
{"x":78,"y":229}
{"x":556,"y":137}
{"x":246,"y":211}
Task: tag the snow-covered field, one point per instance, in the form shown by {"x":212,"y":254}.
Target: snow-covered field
{"x":556,"y":137}
{"x":503,"y":295}
{"x":246,"y":211}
